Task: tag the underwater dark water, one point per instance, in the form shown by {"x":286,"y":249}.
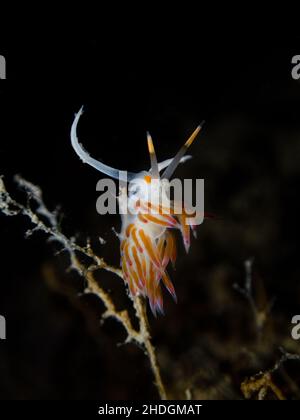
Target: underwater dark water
{"x":248,"y":155}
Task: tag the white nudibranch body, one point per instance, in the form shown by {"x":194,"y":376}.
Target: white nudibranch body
{"x":148,"y":222}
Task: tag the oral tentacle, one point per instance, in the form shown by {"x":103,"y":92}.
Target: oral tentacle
{"x":173,"y":165}
{"x":153,"y":159}
{"x":86,"y":158}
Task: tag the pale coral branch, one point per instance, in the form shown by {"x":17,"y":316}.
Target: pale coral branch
{"x":260,"y":315}
{"x":261,"y":384}
{"x":47,"y":222}
{"x":285,"y":356}
{"x":262,"y":381}
{"x":140,"y":309}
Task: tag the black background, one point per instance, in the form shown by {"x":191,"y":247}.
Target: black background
{"x":248,"y":155}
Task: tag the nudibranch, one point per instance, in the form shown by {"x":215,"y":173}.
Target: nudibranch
{"x":147,"y":240}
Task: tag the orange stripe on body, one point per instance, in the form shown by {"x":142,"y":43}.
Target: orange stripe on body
{"x":152,"y":283}
{"x":141,"y":218}
{"x":169,"y":221}
{"x":169,"y":285}
{"x":157,"y":208}
{"x":158,"y":299}
{"x":158,"y":221}
{"x":122,"y":245}
{"x":170,"y":251}
{"x":185,"y":230}
{"x":138,"y":264}
{"x":161,"y":247}
{"x":134,"y":277}
{"x":173,"y":250}
{"x":126,"y":253}
{"x":129,"y":277}
{"x":124,"y":268}
{"x":136,"y":241}
{"x":150,"y":249}
{"x":128,"y":229}
{"x":144,"y":265}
